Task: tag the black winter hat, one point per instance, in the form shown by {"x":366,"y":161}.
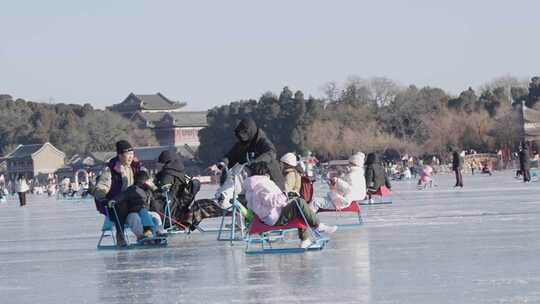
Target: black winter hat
{"x":123,"y":146}
{"x":141,"y":177}
{"x":166,"y":156}
{"x":249,"y":126}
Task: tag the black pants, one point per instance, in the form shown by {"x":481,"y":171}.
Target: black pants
{"x":118,"y":214}
{"x":526,"y":175}
{"x":22,"y":198}
{"x":459,"y":178}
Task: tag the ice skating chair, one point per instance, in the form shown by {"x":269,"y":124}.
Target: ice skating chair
{"x":171,"y":226}
{"x":234,"y":213}
{"x":237,"y":229}
{"x":354,"y":207}
{"x":382,"y":196}
{"x":108,"y":231}
{"x":260,"y":233}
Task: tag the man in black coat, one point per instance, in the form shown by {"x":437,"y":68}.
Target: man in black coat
{"x":457,"y":164}
{"x":184,"y":208}
{"x":525,"y":163}
{"x":172,"y":174}
{"x":253,"y":145}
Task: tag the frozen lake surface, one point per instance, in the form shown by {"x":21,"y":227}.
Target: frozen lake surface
{"x":480,"y":244}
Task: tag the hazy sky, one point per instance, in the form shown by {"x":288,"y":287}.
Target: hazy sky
{"x":209,"y":53}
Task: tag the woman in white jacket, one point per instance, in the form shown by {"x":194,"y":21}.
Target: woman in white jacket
{"x":349,"y":188}
{"x":21,"y":187}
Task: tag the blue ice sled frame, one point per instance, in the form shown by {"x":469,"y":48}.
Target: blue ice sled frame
{"x":172,"y":229}
{"x":265,"y":240}
{"x":236,"y":218}
{"x":233,"y":233}
{"x":107,"y":230}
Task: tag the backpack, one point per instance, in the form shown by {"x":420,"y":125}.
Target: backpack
{"x":306,"y":189}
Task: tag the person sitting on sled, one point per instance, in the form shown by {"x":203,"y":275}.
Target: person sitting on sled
{"x":117,"y":176}
{"x":273,"y":207}
{"x":348,"y":188}
{"x":485,"y":168}
{"x":291,"y":174}
{"x":185,"y":210}
{"x":425,"y":177}
{"x":138,"y":198}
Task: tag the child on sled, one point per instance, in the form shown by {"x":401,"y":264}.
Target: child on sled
{"x":425,"y":179}
{"x":485,"y":168}
{"x":138,"y":198}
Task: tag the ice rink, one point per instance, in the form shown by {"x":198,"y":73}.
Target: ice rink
{"x":480,"y":244}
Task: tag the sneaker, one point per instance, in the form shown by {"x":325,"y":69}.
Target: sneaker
{"x":327,"y":229}
{"x":148,"y":233}
{"x":306,"y":243}
{"x":371,"y":201}
{"x":162,"y":233}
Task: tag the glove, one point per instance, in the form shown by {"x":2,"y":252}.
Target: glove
{"x":111,"y":203}
{"x":292,"y":195}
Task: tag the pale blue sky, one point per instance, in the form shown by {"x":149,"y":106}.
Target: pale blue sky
{"x":213,"y":52}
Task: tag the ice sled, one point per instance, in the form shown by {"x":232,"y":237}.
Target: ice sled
{"x":260,"y":233}
{"x":108,"y":231}
{"x":382,"y":194}
{"x":353,"y":207}
{"x":237,"y":222}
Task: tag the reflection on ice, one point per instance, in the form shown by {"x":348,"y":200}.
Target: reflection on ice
{"x":473,"y":245}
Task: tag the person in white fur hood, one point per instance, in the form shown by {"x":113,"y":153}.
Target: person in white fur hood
{"x":349,"y":188}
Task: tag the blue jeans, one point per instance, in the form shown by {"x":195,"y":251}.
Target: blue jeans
{"x":135,"y":223}
{"x":146,"y":219}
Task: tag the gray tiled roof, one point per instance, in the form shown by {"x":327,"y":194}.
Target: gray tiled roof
{"x":180,"y":119}
{"x":158,"y":102}
{"x":150,"y":153}
{"x":152,"y":117}
{"x":141,"y":102}
{"x":189,"y":119}
{"x":24,"y":150}
{"x":103,"y":156}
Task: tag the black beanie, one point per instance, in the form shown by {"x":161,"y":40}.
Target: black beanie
{"x":123,"y":146}
{"x":166,"y":156}
{"x":141,"y":177}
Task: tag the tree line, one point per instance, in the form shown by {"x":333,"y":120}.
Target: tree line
{"x":379,"y":115}
{"x":70,"y":127}
{"x":373,"y":114}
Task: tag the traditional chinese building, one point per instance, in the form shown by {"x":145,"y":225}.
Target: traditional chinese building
{"x":34,"y":160}
{"x":172,"y":125}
